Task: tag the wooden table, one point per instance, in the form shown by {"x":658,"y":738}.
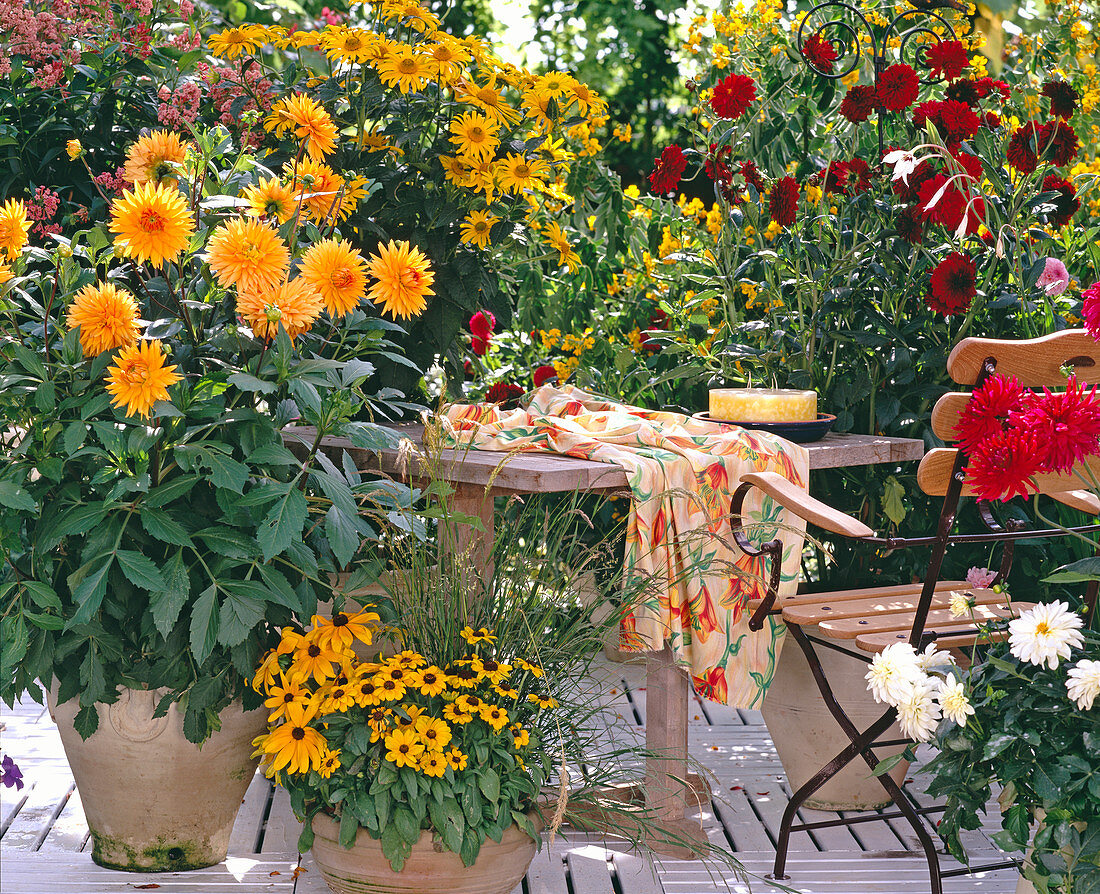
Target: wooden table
{"x":479,"y":475}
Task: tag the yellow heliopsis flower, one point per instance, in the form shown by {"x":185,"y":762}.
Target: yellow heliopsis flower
{"x":295,"y":305}
{"x":433,"y":763}
{"x":456,"y":759}
{"x":248,"y":254}
{"x":406,"y":69}
{"x":14,"y":226}
{"x":404,"y":277}
{"x":456,"y":169}
{"x":347,"y":44}
{"x":330,"y":763}
{"x":107,"y":317}
{"x":307,"y":120}
{"x":152,"y":223}
{"x":517,"y":173}
{"x":488,"y":97}
{"x":341,"y":631}
{"x":403,"y":747}
{"x":475,"y":229}
{"x":584,"y":97}
{"x":140,"y":378}
{"x":282,"y":695}
{"x":336,"y":697}
{"x":520,"y":736}
{"x":232,"y":42}
{"x":5,"y":273}
{"x":271,"y":198}
{"x":475,"y":136}
{"x":74,"y":150}
{"x":554,"y":83}
{"x":429,"y":680}
{"x":433,"y":732}
{"x":448,"y":57}
{"x":542,"y":107}
{"x":293,"y":745}
{"x":322,"y":192}
{"x":543,"y":701}
{"x":495,"y":716}
{"x":558,"y":239}
{"x":339,"y":273}
{"x":150,"y":159}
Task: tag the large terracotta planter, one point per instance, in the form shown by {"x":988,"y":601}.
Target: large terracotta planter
{"x":153,"y":800}
{"x":430,"y":869}
{"x":807,"y":736}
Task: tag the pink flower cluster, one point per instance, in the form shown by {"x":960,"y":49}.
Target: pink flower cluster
{"x":112,"y":184}
{"x":179,"y":106}
{"x":42,"y":209}
{"x":227,"y":85}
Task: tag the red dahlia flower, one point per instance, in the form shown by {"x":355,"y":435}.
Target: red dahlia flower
{"x":858,"y":103}
{"x":988,"y":411}
{"x":953,"y":285}
{"x":1021,"y":152}
{"x":909,"y":225}
{"x":1005,"y":465}
{"x":836,"y":177}
{"x":820,"y":53}
{"x":667,"y":171}
{"x":1058,"y":142}
{"x":950,"y":207}
{"x":991,"y":120}
{"x":1066,"y":204}
{"x":859,"y":176}
{"x":1090,"y":309}
{"x":956,"y":121}
{"x":1063,"y":99}
{"x":898,"y":87}
{"x":482,"y":324}
{"x":964,"y":90}
{"x":783,"y":202}
{"x":1067,"y":421}
{"x":717,"y":164}
{"x":946,"y":59}
{"x":502,"y":393}
{"x":733,"y":95}
{"x":751,"y":175}
{"x":544,"y":374}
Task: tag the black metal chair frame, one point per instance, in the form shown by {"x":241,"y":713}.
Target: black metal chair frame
{"x":863,"y":742}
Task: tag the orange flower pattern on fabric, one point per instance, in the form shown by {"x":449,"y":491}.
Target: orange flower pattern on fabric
{"x":701,"y":614}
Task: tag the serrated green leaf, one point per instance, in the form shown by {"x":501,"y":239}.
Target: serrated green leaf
{"x":248,"y":382}
{"x":89,"y":592}
{"x":140,"y":571}
{"x":226,"y":472}
{"x":165,"y":493}
{"x":227,"y":542}
{"x":282,"y":524}
{"x":15,"y":497}
{"x":167,"y":604}
{"x":75,"y":433}
{"x":158,"y":523}
{"x":204,"y":625}
{"x":238,"y":615}
{"x":42,"y":594}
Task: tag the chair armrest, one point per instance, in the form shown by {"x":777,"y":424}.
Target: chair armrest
{"x":796,"y":500}
{"x":1085,"y":500}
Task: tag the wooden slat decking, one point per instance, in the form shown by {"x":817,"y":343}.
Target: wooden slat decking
{"x":44,"y":846}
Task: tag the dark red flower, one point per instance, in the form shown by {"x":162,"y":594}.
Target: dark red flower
{"x":1058,"y":142}
{"x":956,"y":121}
{"x":1068,"y":421}
{"x":783,"y":202}
{"x":963,"y":90}
{"x":908,"y":192}
{"x":820,"y":53}
{"x":953,"y":285}
{"x":733,"y":95}
{"x":502,"y":393}
{"x":925,"y":112}
{"x":951,"y":205}
{"x":717,"y":164}
{"x":1005,"y":465}
{"x":544,"y":374}
{"x":987,"y":412}
{"x":1063,"y":99}
{"x":859,"y":176}
{"x":1090,"y":309}
{"x":480,"y":346}
{"x":667,"y":171}
{"x":836,"y":177}
{"x":1022,"y":153}
{"x":898,"y":87}
{"x":946,"y":59}
{"x":751,"y":176}
{"x":1066,"y":203}
{"x":482,"y":324}
{"x":858,"y":103}
{"x":991,"y":120}
{"x":970,"y":163}
{"x":467,"y":369}
{"x":1001,"y":88}
{"x":909,"y":225}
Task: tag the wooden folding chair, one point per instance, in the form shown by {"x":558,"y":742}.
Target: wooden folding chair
{"x":861,"y":623}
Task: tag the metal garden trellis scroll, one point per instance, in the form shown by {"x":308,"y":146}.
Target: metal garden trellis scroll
{"x":843,"y":34}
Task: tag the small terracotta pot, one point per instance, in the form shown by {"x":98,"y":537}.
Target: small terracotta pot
{"x":430,"y":869}
{"x":154,"y":801}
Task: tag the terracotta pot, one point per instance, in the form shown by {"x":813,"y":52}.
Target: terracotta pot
{"x":430,"y":869}
{"x":807,"y":736}
{"x":153,"y":800}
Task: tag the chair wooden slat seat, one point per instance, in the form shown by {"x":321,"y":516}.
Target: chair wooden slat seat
{"x":876,"y":642}
{"x":850,"y":628}
{"x":875,"y":604}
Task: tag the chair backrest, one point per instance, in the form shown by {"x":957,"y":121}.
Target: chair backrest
{"x":1037,"y":362}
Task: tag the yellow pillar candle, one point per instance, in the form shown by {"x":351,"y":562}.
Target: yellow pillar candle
{"x":763,"y":405}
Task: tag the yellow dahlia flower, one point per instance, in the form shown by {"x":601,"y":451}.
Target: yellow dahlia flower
{"x":107,"y":317}
{"x":295,"y":304}
{"x":14,"y":226}
{"x":140,"y":378}
{"x":404,"y":277}
{"x":152,"y":156}
{"x":152,"y":222}
{"x":248,"y":254}
{"x":338,"y":273}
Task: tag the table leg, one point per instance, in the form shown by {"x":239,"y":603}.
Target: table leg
{"x":465,"y":540}
{"x":668,"y":788}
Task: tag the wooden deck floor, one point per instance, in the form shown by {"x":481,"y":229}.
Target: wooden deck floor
{"x":44,"y":846}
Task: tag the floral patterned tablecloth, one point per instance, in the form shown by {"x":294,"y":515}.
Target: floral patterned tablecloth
{"x":698,"y":604}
